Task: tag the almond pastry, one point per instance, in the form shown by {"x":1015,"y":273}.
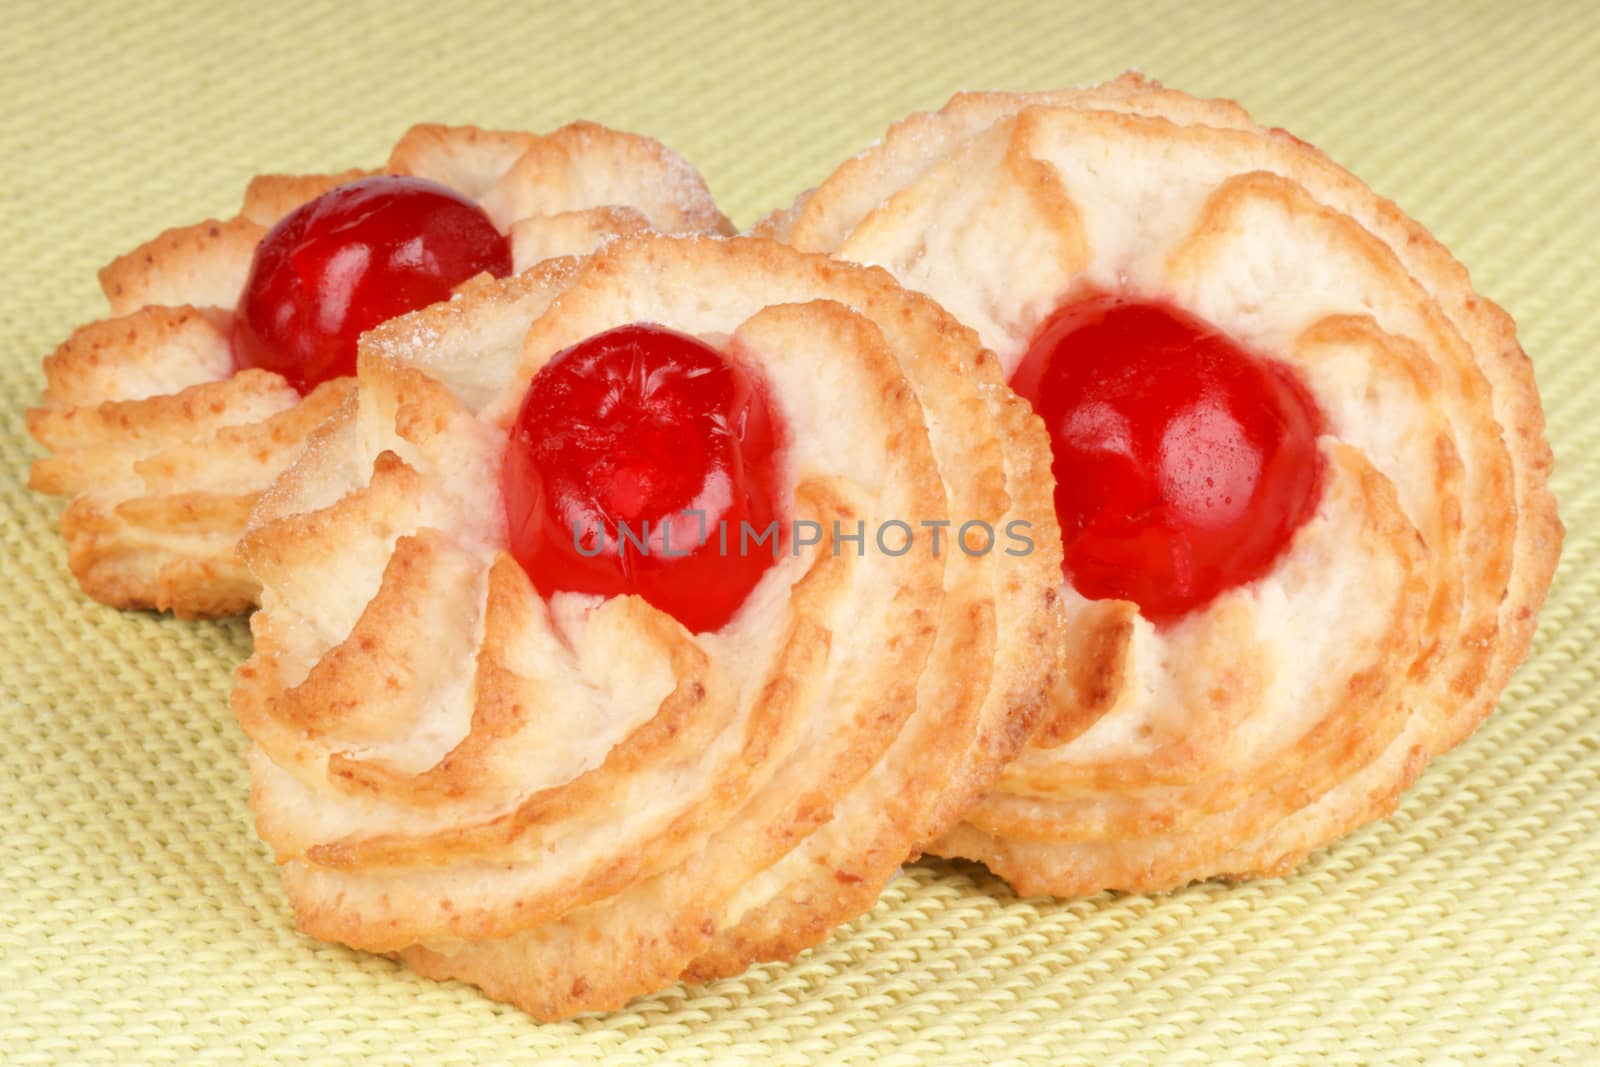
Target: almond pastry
{"x":573,"y":768}
{"x":162,"y":429}
{"x":1302,"y":469}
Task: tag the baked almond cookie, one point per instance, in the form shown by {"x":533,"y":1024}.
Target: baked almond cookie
{"x":1301,"y":469}
{"x":637,"y":616}
{"x":230,"y":340}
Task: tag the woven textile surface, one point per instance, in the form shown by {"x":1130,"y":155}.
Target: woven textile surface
{"x":142,"y":922}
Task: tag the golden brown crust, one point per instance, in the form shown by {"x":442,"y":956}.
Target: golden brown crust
{"x":152,"y":435}
{"x":1000,"y":615}
{"x":204,"y":265}
{"x":571,"y":802}
{"x":269,"y":197}
{"x":584,"y":165}
{"x":1232,"y":743}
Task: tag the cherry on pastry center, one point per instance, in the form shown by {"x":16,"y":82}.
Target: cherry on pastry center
{"x":1183,"y":463}
{"x":643,"y":429}
{"x":356,"y":256}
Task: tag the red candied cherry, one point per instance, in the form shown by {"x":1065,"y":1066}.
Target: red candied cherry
{"x":356,"y":256}
{"x":1183,"y":463}
{"x":642,"y":461}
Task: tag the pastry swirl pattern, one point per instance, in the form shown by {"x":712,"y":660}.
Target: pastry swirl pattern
{"x":1290,"y":710}
{"x":572,"y":801}
{"x":162,"y":448}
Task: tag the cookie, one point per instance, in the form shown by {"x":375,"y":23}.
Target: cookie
{"x":1301,"y":464}
{"x":529,"y":706}
{"x":162,"y":427}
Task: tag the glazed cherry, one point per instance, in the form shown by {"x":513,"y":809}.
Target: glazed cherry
{"x":643,"y":461}
{"x":1183,"y":463}
{"x":355,"y":256}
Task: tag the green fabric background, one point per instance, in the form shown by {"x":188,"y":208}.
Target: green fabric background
{"x":142,"y":922}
